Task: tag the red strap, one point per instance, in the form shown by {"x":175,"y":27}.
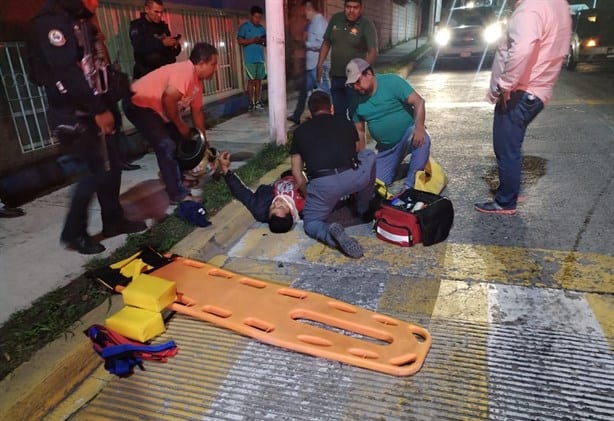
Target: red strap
{"x":113,"y":338}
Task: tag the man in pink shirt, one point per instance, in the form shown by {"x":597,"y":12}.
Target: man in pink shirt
{"x":526,"y":66}
{"x":160,"y":98}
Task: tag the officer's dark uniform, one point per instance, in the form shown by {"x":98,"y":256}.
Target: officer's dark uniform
{"x":149,"y":51}
{"x":71,"y":112}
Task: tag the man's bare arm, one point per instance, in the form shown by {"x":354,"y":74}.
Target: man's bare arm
{"x":170,"y":105}
{"x":362,"y":135}
{"x":371,"y":55}
{"x":248,"y":41}
{"x":417,"y":102}
{"x":296,"y":162}
{"x":198,"y":118}
{"x":324,"y":49}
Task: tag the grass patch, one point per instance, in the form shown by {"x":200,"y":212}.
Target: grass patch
{"x":54,"y":314}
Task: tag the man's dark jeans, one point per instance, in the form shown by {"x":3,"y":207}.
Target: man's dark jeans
{"x":159,"y":135}
{"x":509,"y":128}
{"x":341,"y":95}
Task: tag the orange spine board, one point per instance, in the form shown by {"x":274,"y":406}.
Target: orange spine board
{"x":299,"y":320}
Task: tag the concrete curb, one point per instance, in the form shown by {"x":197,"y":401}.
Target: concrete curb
{"x":406,"y":70}
{"x":60,"y":368}
{"x":37,"y":385}
{"x":229,"y":224}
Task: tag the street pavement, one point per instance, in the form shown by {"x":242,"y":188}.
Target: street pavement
{"x":33,"y":262}
{"x":519,"y":308}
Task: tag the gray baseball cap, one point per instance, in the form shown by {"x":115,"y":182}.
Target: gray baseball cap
{"x":354,"y":69}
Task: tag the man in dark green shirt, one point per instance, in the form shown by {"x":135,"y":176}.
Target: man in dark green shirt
{"x":348,"y":35}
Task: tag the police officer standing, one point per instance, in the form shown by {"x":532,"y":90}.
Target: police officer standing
{"x":151,"y":40}
{"x":64,"y":61}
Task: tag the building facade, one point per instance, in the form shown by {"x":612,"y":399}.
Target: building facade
{"x":24,"y":134}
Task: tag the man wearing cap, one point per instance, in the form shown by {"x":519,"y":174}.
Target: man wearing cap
{"x":347,"y":35}
{"x":155,"y":110}
{"x":279,"y":204}
{"x":346,"y":168}
{"x":395,"y":114}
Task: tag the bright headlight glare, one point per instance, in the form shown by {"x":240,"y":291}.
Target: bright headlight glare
{"x":492,"y":33}
{"x":442,"y":37}
{"x":591,"y":42}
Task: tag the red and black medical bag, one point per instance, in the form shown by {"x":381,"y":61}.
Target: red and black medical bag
{"x":414,"y":217}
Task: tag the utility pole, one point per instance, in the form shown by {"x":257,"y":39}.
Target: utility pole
{"x":276,"y":69}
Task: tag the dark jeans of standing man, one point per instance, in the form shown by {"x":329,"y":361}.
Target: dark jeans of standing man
{"x":509,"y":128}
{"x":159,"y":135}
{"x":308,"y":83}
{"x":341,"y":95}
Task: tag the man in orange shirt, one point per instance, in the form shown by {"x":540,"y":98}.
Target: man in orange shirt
{"x":155,"y":109}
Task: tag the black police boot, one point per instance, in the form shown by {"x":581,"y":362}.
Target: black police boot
{"x":127,"y":166}
{"x":123,"y":227}
{"x":84,"y":245}
{"x":6,"y":212}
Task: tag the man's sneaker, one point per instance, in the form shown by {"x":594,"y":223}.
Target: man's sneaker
{"x":251,"y":106}
{"x":295,"y":121}
{"x":494,"y":207}
{"x":519,"y":200}
{"x":347,"y":244}
{"x":259,"y":105}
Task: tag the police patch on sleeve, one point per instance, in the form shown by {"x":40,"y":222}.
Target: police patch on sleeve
{"x":56,"y":38}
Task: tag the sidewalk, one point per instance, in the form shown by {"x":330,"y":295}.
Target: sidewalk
{"x":33,"y":262}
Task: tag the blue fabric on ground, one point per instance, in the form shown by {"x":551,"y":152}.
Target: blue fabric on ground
{"x":193,"y":213}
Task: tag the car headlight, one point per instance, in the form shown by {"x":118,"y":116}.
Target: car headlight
{"x":492,"y":33}
{"x":591,"y":42}
{"x":442,"y":37}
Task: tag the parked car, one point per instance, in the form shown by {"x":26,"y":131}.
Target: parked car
{"x":469,"y":33}
{"x":592,"y":39}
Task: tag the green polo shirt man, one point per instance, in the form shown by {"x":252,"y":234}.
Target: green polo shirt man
{"x":348,"y":35}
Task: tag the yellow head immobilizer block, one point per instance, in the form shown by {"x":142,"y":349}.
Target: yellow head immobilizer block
{"x":136,"y":323}
{"x":150,"y":293}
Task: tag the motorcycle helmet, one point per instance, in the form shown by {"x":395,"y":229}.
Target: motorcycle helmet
{"x":191,"y":150}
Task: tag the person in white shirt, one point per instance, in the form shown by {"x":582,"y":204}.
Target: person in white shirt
{"x":314,"y":35}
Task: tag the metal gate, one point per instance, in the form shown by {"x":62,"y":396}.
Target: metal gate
{"x":27,"y":102}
